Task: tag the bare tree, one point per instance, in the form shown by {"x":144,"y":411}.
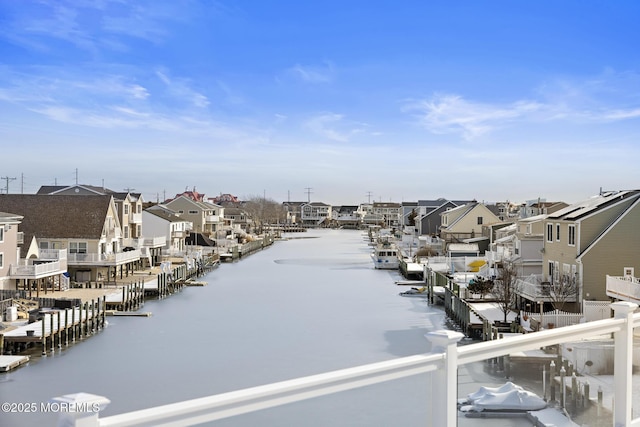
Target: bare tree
{"x":504,"y":288}
{"x":561,"y":290}
{"x":264,"y":211}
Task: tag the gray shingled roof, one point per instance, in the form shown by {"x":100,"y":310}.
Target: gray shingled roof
{"x":64,"y":217}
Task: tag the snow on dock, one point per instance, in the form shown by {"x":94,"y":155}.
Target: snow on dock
{"x":8,"y":363}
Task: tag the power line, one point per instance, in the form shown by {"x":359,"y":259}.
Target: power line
{"x":308,"y":193}
{"x":7,"y":179}
{"x":369,"y":196}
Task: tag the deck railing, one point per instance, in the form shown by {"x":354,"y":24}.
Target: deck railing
{"x":626,"y":288}
{"x":442,"y":365}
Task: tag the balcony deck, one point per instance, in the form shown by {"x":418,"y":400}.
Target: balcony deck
{"x":95,"y":259}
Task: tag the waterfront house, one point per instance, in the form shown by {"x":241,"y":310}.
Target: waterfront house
{"x":466,"y":222}
{"x":207,"y":218}
{"x":315,"y":214}
{"x":365,"y":211}
{"x":129,"y":209}
{"x":528,"y":243}
{"x":87,"y":228}
{"x":429,"y":218}
{"x":409,"y":216}
{"x":238,"y":218}
{"x":21,"y":263}
{"x":345,"y":216}
{"x":158,"y":220}
{"x":294,"y":211}
{"x":9,"y":236}
{"x":390,"y":212}
{"x":540,"y":207}
{"x":589,"y":240}
{"x":521,"y":244}
{"x":225,"y":200}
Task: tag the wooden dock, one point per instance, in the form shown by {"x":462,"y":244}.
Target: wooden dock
{"x":8,"y":363}
{"x":56,"y":327}
{"x":117,"y":313}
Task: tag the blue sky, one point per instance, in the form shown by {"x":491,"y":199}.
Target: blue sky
{"x":356,"y":100}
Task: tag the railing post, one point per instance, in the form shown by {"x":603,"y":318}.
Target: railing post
{"x":78,"y":409}
{"x":623,"y":357}
{"x":444,"y":384}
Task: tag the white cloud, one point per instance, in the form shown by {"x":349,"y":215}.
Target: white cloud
{"x":602,"y":99}
{"x":334,"y":127}
{"x":313,"y":74}
{"x":454,"y":114}
{"x":181,"y":89}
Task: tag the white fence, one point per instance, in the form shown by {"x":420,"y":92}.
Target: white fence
{"x":555,"y":318}
{"x":442,"y":366}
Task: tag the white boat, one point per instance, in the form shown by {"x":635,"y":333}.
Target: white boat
{"x":386,"y":256}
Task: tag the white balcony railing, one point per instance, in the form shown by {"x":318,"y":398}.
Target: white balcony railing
{"x":155,"y":242}
{"x":35,"y":271}
{"x":135,"y":218}
{"x":624,"y":288}
{"x":111,"y":259}
{"x":442,"y":366}
{"x":52,"y":254}
{"x":212,"y":219}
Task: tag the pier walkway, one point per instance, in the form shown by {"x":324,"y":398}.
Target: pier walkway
{"x":57,"y":326}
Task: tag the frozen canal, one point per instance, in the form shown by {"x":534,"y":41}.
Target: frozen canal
{"x":303,"y":306}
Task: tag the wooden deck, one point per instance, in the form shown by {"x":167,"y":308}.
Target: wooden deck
{"x":56,"y":327}
{"x":8,"y":363}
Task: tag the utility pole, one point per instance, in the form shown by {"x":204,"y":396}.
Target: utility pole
{"x":369,"y":196}
{"x":308,"y":194}
{"x":7,"y":179}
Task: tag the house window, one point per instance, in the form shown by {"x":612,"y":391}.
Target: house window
{"x":572,"y":235}
{"x":549,"y":232}
{"x":479,"y":220}
{"x":1,"y":260}
{"x":126,"y":209}
{"x":77,"y":247}
{"x":550,"y":272}
{"x":193,"y":212}
{"x":1,"y":233}
{"x":126,"y":231}
{"x":557,"y":232}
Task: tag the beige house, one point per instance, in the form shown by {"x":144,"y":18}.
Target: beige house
{"x":465,"y":222}
{"x":207,"y":218}
{"x":589,"y":240}
{"x":10,"y":238}
{"x":129,"y":209}
{"x":87,"y":228}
